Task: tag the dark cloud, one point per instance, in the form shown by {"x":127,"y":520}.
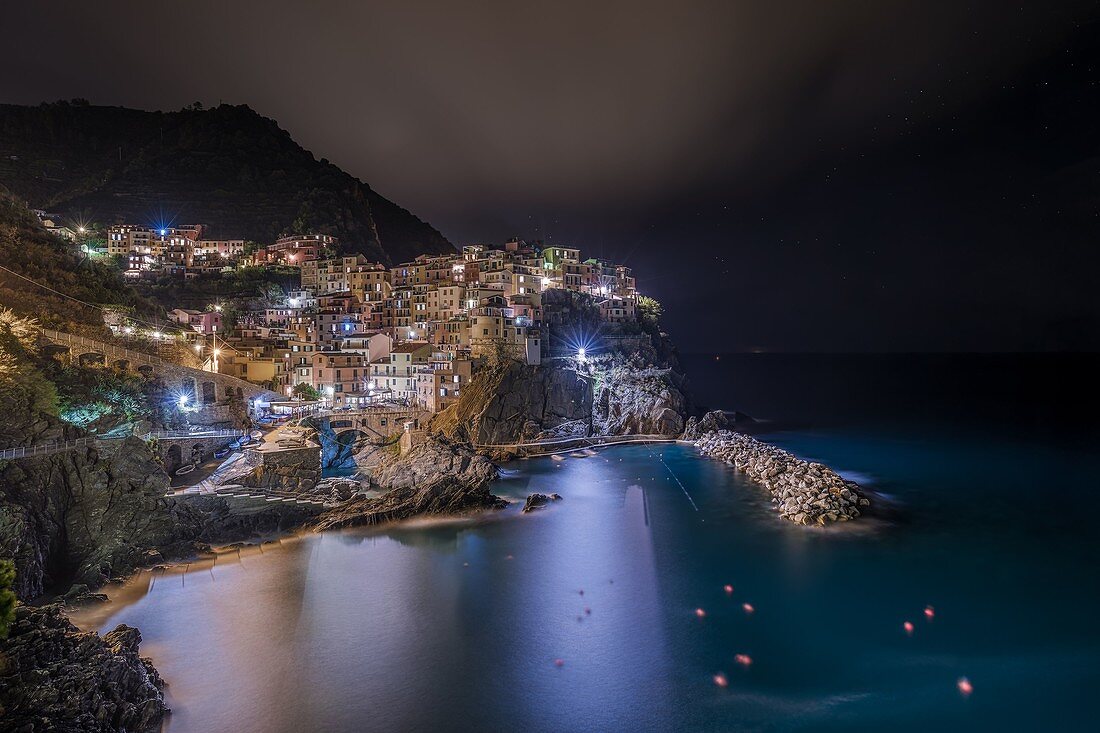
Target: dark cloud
{"x":822,"y":146}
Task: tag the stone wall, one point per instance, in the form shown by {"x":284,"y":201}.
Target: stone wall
{"x":292,"y":469}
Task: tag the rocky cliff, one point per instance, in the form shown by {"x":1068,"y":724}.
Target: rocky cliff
{"x":54,"y":677}
{"x":83,"y":516}
{"x":434,"y":478}
{"x":611,"y":394}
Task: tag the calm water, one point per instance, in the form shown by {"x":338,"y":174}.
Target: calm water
{"x":456,"y":626}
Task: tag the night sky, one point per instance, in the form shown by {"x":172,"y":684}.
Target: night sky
{"x":807,"y":176}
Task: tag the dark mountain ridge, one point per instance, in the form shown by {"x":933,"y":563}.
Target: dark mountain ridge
{"x":228,"y":167}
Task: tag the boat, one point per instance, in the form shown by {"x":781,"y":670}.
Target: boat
{"x":185,"y":469}
{"x":221,"y":453}
{"x":256,"y":434}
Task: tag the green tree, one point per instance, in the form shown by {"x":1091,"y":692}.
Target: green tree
{"x":649,"y":312}
{"x":306,"y":392}
{"x":7,"y":596}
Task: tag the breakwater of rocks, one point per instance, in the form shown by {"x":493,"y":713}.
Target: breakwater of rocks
{"x":804,"y":492}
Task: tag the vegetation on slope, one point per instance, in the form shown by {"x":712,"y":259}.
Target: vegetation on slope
{"x":27,"y":250}
{"x":227,"y":167}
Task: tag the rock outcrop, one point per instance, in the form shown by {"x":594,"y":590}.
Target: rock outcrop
{"x":53,"y":677}
{"x":711,"y":422}
{"x":607,"y":395}
{"x":537,"y":501}
{"x":804,"y":492}
{"x":83,"y":516}
{"x":435,"y":477}
{"x":630,"y":399}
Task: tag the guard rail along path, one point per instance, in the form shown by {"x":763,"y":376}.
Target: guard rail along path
{"x":556,"y":445}
{"x":43,"y":449}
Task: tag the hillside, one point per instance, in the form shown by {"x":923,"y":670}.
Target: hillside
{"x":227,"y":167}
{"x":29,"y":251}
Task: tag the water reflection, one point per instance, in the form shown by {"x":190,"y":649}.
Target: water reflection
{"x":456,"y":625}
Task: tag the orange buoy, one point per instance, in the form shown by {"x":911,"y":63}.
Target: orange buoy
{"x":748,"y":607}
{"x":929,"y":613}
{"x":728,"y":589}
{"x":700,"y":613}
{"x":965,"y":687}
{"x":559,"y":662}
{"x":743,"y":659}
{"x":908,"y":626}
{"x":720,"y":680}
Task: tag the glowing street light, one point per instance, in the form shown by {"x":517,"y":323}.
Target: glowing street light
{"x":198,"y":348}
{"x":183,"y":401}
{"x":580,"y":355}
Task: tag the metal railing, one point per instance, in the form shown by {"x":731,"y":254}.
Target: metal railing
{"x":577,"y":441}
{"x":43,"y":449}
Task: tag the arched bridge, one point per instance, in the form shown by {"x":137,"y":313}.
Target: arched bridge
{"x":202,"y":388}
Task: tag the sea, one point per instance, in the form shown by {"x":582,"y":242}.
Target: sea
{"x":662,"y":593}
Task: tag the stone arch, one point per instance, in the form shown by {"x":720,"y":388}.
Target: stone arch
{"x":90,"y":358}
{"x":146,"y":371}
{"x":173,"y":458}
{"x":187,"y":387}
{"x":121,"y":364}
{"x":58,"y":351}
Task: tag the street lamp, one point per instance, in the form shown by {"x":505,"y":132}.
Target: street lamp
{"x":580,"y":355}
{"x":183,"y":401}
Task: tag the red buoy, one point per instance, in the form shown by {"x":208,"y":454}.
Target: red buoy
{"x":748,"y":607}
{"x":743,"y":659}
{"x":720,"y":680}
{"x":728,"y":589}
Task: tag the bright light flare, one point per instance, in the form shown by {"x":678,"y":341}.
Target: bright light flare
{"x":908,"y":626}
{"x":748,"y":608}
{"x":720,"y":680}
{"x":743,"y":659}
{"x":965,"y":688}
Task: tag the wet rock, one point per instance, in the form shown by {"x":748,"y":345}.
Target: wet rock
{"x":804,"y":492}
{"x":434,"y":478}
{"x":57,"y":678}
{"x":536,"y":501}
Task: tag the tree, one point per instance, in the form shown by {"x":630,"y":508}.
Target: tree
{"x":649,"y":312}
{"x":306,"y":392}
{"x":7,"y":596}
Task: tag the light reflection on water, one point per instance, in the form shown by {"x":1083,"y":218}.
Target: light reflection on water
{"x":455,"y":625}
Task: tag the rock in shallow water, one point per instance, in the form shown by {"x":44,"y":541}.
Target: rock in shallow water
{"x":806,"y":493}
{"x":537,"y":501}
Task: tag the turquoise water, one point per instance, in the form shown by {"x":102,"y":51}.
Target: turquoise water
{"x":457,"y":625}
